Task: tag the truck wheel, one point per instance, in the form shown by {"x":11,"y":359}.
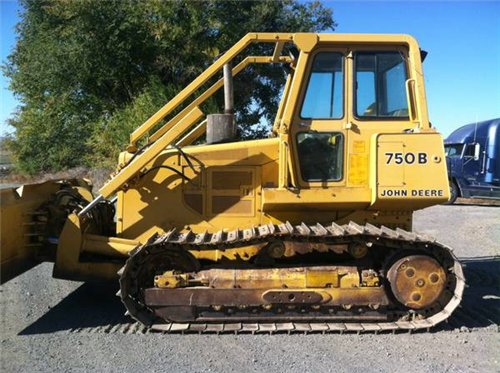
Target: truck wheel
{"x":453,"y":193}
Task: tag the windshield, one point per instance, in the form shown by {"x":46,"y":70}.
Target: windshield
{"x":380,"y":85}
{"x":453,"y":150}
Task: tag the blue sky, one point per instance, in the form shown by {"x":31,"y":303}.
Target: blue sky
{"x":8,"y":19}
{"x":462,"y":70}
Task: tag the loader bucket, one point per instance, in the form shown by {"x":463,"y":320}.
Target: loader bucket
{"x":28,"y":215}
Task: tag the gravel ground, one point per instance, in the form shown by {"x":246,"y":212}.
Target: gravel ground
{"x":61,"y":326}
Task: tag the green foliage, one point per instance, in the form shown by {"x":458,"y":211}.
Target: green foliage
{"x":112,"y":134}
{"x":89,"y":72}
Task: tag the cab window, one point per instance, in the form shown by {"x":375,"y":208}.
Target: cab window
{"x":470,"y":150}
{"x":320,"y":155}
{"x":324,"y":94}
{"x":453,"y":150}
{"x":380,"y":85}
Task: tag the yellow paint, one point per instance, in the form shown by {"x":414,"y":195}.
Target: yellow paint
{"x":193,"y":135}
{"x":371,"y":190}
{"x":358,"y":147}
{"x":150,"y":153}
{"x":25,"y":214}
{"x":156,"y":202}
{"x":68,"y":263}
{"x":358,"y":169}
{"x":305,"y":42}
{"x":414,"y":183}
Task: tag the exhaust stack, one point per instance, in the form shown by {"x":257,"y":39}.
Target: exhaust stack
{"x":221,"y":128}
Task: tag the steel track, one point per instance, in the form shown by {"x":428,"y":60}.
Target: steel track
{"x":381,"y":237}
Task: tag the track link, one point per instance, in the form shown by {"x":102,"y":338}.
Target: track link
{"x":334,"y":233}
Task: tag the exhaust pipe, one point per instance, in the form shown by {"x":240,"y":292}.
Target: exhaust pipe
{"x":222,"y":127}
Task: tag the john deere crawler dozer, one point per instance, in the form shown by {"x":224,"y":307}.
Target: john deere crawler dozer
{"x":308,"y":230}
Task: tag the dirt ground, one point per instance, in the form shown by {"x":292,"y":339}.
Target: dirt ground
{"x":60,"y":326}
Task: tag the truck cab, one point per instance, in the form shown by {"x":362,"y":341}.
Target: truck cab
{"x":473,"y":160}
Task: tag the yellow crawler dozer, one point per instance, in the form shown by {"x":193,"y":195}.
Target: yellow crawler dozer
{"x":307,"y":230}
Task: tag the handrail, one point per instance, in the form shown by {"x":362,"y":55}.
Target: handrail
{"x":193,"y":135}
{"x":210,"y":91}
{"x":172,"y":130}
{"x":412,"y":104}
{"x":203,"y":78}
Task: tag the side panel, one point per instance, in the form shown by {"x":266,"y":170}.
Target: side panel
{"x":223,"y":191}
{"x":231,"y":191}
{"x":410,"y":171}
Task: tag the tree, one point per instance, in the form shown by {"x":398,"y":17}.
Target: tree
{"x":88,"y":72}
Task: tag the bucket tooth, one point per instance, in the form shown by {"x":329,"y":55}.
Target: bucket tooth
{"x":302,"y":327}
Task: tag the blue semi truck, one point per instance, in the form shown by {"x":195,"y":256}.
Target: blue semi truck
{"x":473,"y":160}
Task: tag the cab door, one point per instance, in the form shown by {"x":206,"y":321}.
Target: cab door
{"x":472,"y":162}
{"x":318,"y":136}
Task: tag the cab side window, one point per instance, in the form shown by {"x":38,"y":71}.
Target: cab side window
{"x":324,"y":95}
{"x":470,"y":150}
{"x":380,"y":85}
{"x":320,"y":155}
